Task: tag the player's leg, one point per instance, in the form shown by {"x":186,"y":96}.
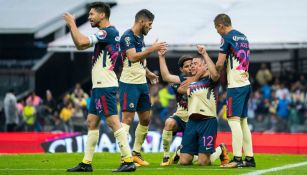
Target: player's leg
{"x":140,"y":136}
{"x":93,"y":122}
{"x":109,"y":106}
{"x":122,"y":140}
{"x":189,"y":144}
{"x":249,"y":160}
{"x":128,"y":95}
{"x":235,"y":104}
{"x":207,"y":130}
{"x":143,"y":108}
{"x":167,"y":137}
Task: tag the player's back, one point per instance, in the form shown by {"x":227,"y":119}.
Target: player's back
{"x":133,"y":73}
{"x":202,"y":97}
{"x":104,"y":57}
{"x":236,"y":47}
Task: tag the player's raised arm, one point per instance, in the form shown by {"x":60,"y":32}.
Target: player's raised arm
{"x":211,"y":66}
{"x":134,"y":56}
{"x":220,"y":61}
{"x":184,"y":86}
{"x":166,"y":76}
{"x":81,"y":41}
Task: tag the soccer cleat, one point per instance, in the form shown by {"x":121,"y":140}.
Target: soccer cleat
{"x":126,"y":167}
{"x":224,"y":157}
{"x":137,"y":158}
{"x":176,"y":156}
{"x":249,"y":162}
{"x":81,"y":167}
{"x":166,"y":161}
{"x":235,"y":163}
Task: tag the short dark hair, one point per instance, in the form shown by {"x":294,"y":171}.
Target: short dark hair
{"x":222,"y":19}
{"x":144,"y":13}
{"x":183,"y":59}
{"x":101,"y":7}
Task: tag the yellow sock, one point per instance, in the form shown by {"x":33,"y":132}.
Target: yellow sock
{"x":247,"y":138}
{"x":167,"y":137}
{"x":92,"y":139}
{"x":216,"y":154}
{"x":122,"y":141}
{"x":237,"y":137}
{"x":140,"y":135}
{"x":126,"y":127}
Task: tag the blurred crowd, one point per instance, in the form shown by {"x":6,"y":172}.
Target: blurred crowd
{"x":277,"y":104}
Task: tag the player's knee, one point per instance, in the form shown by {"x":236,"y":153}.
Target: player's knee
{"x":92,"y":123}
{"x":183,"y":161}
{"x":145,"y":121}
{"x":203,"y":162}
{"x":170,"y":124}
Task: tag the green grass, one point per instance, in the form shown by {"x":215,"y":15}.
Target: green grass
{"x":104,"y":162}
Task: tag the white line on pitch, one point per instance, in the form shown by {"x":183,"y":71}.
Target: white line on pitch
{"x":258,"y":172}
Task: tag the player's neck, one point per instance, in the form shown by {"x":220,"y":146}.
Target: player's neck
{"x":136,"y":30}
{"x":228,"y":29}
{"x":104,"y":24}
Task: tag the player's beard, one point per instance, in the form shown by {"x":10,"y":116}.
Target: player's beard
{"x":144,"y":31}
{"x":95,"y":23}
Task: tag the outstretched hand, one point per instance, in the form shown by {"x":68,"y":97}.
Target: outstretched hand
{"x":201,"y":49}
{"x":69,"y":19}
{"x":162,"y":45}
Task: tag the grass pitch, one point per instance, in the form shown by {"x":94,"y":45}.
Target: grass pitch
{"x":103,"y":163}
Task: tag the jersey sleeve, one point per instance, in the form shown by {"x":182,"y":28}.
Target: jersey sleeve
{"x":182,"y":78}
{"x":224,"y":46}
{"x":127,"y":42}
{"x":99,"y":36}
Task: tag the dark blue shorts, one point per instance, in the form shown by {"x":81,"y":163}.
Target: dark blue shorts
{"x":237,"y":101}
{"x":103,"y":102}
{"x":199,"y":136}
{"x":180,"y":124}
{"x":134,"y":97}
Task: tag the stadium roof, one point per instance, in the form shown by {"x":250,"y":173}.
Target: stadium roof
{"x":268,"y":24}
{"x":37,"y":17}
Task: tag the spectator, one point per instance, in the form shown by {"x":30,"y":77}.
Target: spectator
{"x":29,"y":116}
{"x":34,"y":99}
{"x":264,"y":75}
{"x":11,"y":111}
{"x":164,"y":97}
{"x":66,"y":114}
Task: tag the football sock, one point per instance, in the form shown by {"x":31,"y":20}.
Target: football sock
{"x":92,"y":139}
{"x":237,"y":137}
{"x":216,"y":154}
{"x":166,"y":141}
{"x":140,"y":135}
{"x":122,"y":141}
{"x":247,"y":138}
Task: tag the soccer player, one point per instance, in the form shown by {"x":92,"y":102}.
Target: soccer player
{"x":176,"y":122}
{"x":105,"y":84}
{"x":133,"y":87}
{"x":201,"y":129}
{"x":235,"y":51}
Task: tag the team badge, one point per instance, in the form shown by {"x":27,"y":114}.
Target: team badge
{"x":131,"y":105}
{"x":101,"y":34}
{"x":127,"y":41}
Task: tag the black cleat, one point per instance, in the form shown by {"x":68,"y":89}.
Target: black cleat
{"x":236,"y":162}
{"x":249,"y":162}
{"x":82,"y":167}
{"x":176,"y":156}
{"x":126,"y":167}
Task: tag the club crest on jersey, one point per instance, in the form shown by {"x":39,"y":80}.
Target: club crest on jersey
{"x":127,"y":41}
{"x":131,"y":105}
{"x":101,"y":34}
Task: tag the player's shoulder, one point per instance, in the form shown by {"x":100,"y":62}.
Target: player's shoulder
{"x":111,"y":29}
{"x":127,"y":33}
